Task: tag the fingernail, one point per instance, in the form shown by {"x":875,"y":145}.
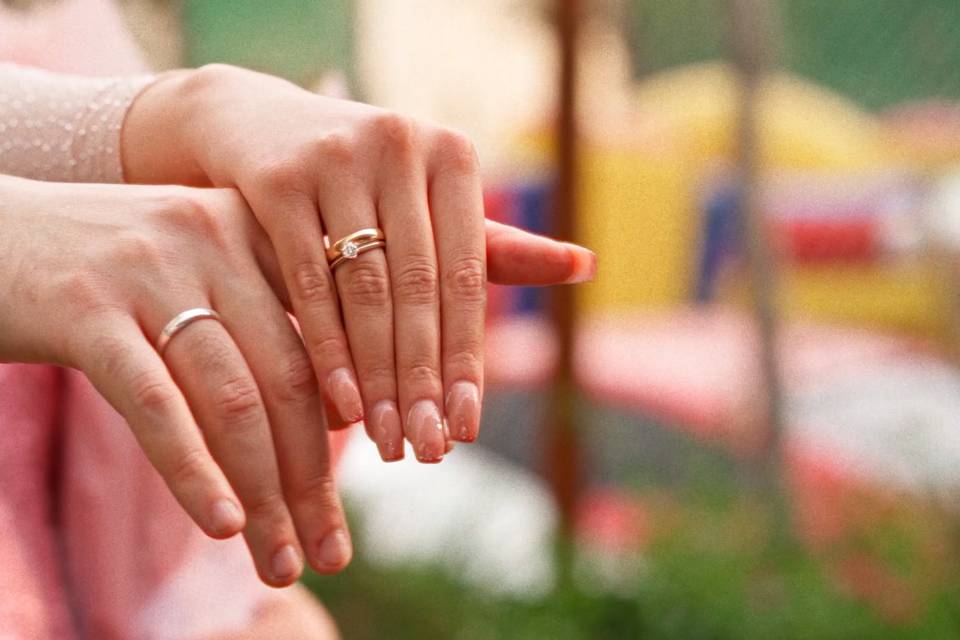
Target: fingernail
{"x":387,"y":430}
{"x":225,"y":517}
{"x":346,"y":395}
{"x":334,"y":551}
{"x":448,"y":443}
{"x":463,"y":410}
{"x":425,"y":423}
{"x":286,"y":563}
{"x":584,"y":265}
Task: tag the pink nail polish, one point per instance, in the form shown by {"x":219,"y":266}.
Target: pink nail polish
{"x":584,"y":265}
{"x":387,"y":430}
{"x":463,"y":410}
{"x":334,"y":550}
{"x":286,"y":564}
{"x":226,"y":517}
{"x":345,"y":395}
{"x":427,"y":428}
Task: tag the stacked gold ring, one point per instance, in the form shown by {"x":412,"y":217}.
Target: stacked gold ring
{"x":351,"y":246}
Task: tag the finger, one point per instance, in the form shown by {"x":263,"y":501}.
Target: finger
{"x":518,"y":257}
{"x":297,"y":238}
{"x":411,"y":256}
{"x":127,"y":371}
{"x":456,"y":206}
{"x":364,"y":286}
{"x":226,"y":401}
{"x":283,"y":372}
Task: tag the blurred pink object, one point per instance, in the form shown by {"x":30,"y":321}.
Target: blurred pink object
{"x":92,"y":544}
{"x":85,"y":37}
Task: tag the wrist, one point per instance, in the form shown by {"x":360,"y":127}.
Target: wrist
{"x":159,"y":138}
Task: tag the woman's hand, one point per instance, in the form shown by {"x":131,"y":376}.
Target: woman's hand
{"x":395,"y":336}
{"x":90,"y":275}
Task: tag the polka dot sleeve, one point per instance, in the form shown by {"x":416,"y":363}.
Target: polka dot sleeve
{"x":63,"y":128}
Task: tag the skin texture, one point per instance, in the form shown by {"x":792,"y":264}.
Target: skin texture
{"x":231,"y":414}
{"x":395,"y":336}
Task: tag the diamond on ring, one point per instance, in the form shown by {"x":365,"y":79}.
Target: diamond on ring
{"x":350,"y":250}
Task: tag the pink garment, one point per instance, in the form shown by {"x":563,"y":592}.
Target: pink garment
{"x":92,"y":544}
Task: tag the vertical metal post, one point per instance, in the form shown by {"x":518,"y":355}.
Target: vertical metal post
{"x":563,"y":458}
{"x":752,"y":32}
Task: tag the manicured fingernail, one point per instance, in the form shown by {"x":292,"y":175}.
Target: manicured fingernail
{"x":463,"y":410}
{"x":346,"y":395}
{"x":427,"y":428}
{"x":387,"y":430}
{"x":584,"y":265}
{"x":226,"y":517}
{"x":334,"y":551}
{"x":448,"y":442}
{"x":286,"y":563}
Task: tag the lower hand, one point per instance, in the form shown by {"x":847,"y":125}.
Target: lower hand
{"x":230,"y":415}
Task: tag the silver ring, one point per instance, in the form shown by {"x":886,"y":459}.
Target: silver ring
{"x":182,"y":320}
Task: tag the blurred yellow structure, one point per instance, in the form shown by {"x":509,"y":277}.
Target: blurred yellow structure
{"x":642,"y":197}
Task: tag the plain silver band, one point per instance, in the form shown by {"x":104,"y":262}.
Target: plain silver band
{"x":182,"y":320}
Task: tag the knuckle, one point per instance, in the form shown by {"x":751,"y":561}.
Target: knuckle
{"x":80,"y":291}
{"x":268,"y":503}
{"x":318,"y":490}
{"x":298,"y":381}
{"x":466,"y":279}
{"x":326,"y":348}
{"x":422,"y":374}
{"x":150,"y":393}
{"x":313,"y":283}
{"x":376,"y":370}
{"x":466,"y":356}
{"x":238,"y":400}
{"x":398,"y":132}
{"x":457,"y":151}
{"x":366,"y":284}
{"x":138,"y":248}
{"x":197,"y":215}
{"x":189,"y":468}
{"x":417,"y":282}
{"x":281,"y":176}
{"x":185,"y":204}
{"x":337,"y":150}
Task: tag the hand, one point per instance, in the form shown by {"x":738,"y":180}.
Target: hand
{"x":89,"y":277}
{"x":394,"y":335}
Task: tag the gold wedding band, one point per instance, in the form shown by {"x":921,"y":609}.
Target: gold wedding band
{"x":355,"y":250}
{"x":352,"y":245}
{"x":182,"y":320}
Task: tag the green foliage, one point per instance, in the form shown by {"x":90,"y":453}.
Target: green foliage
{"x":715,"y":572}
{"x":878,"y":52}
{"x":290,"y":38}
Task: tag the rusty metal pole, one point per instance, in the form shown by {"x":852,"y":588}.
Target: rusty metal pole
{"x":563,"y":457}
{"x":753,"y":30}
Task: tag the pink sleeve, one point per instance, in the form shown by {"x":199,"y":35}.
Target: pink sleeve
{"x":63,"y":128}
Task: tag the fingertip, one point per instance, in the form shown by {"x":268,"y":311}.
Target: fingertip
{"x":345,"y":393}
{"x":286,"y":567}
{"x":333,"y":553}
{"x":584,"y":264}
{"x":226,"y":519}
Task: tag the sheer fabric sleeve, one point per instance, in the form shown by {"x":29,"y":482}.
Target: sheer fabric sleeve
{"x":63,"y":128}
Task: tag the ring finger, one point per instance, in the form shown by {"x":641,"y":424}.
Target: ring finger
{"x":364,"y":287}
{"x":226,"y":402}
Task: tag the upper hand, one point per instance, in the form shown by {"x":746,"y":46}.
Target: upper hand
{"x":395,"y":336}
